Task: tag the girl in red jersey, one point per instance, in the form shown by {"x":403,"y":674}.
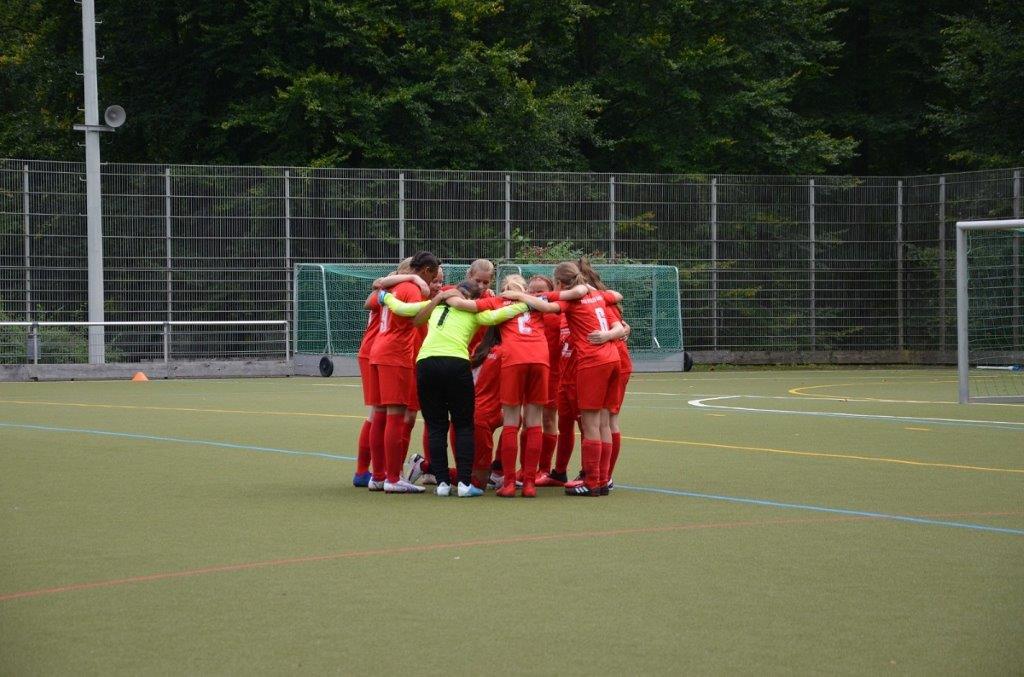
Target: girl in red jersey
{"x":524,"y":382}
{"x":435,"y":286}
{"x":487,"y":414}
{"x":568,"y":409}
{"x":538,"y":286}
{"x":597,"y":372}
{"x":376,"y":413}
{"x":392,"y":361}
{"x":618,"y":339}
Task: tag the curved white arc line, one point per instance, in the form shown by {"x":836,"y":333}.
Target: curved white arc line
{"x":912,"y":419}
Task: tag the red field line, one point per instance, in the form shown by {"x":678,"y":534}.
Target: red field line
{"x":403,"y":550}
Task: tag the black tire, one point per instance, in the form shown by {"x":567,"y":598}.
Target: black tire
{"x":326,"y":366}
{"x":687,"y":361}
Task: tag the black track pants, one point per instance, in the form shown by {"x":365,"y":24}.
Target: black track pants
{"x":445,"y":386}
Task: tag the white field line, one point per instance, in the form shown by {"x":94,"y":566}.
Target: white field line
{"x":700,"y":403}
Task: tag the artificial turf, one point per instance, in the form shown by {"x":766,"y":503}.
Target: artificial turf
{"x":211,"y":527}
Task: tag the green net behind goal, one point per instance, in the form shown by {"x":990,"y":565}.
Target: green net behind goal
{"x":995,"y":329}
{"x":330,"y":319}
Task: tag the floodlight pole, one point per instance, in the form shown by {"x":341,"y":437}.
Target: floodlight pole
{"x":93,"y":197}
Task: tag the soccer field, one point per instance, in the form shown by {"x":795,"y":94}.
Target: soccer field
{"x":841,"y":521}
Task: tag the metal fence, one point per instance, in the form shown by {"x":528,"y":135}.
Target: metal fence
{"x":769,"y":266}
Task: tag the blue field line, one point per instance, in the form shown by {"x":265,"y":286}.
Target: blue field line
{"x":182,"y":440}
{"x":818,"y":508}
{"x":627,"y":487}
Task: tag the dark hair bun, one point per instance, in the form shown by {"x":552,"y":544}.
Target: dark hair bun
{"x":421,"y":260}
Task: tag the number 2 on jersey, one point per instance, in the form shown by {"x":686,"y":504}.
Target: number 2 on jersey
{"x":524,"y":323}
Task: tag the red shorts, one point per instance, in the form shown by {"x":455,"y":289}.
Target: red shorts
{"x":488,"y":418}
{"x":395,"y":385}
{"x":623,"y":381}
{"x":597,"y":387}
{"x":554,"y":380}
{"x":567,"y":405}
{"x":414,"y":393}
{"x":371,"y":396}
{"x":524,"y":384}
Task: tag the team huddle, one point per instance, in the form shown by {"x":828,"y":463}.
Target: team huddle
{"x":537,"y":360}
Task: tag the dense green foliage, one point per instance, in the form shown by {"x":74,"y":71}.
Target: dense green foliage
{"x":752,"y":86}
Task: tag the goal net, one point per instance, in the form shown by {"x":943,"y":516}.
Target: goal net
{"x":990,"y":335}
{"x":330,"y":319}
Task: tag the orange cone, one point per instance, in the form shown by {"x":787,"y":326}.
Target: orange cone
{"x":139,"y":376}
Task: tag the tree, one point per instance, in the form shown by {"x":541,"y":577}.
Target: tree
{"x":703,"y":86}
{"x":982,"y":65}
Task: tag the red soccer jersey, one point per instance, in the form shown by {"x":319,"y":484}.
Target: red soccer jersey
{"x":552,"y":332}
{"x":566,"y":358}
{"x":522,"y":337}
{"x":587,"y":315}
{"x":615,"y":315}
{"x":372,"y":328}
{"x":474,"y":342}
{"x":394,"y":345}
{"x":488,"y":381}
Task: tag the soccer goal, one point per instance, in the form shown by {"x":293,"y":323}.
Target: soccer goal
{"x":330,"y":319}
{"x":990,"y":335}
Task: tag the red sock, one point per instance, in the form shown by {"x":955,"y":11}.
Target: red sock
{"x":547,"y":452}
{"x":407,"y":438}
{"x":426,"y":444}
{"x":395,"y":435}
{"x":616,"y":447}
{"x":509,"y":451}
{"x":377,"y":447}
{"x":591,"y":453}
{"x":566,"y":441}
{"x":531,"y":455}
{"x":522,"y":440}
{"x":363,"y":459}
{"x":606,"y":462}
{"x":451,"y":437}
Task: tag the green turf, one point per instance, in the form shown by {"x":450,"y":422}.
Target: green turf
{"x":334,"y":579}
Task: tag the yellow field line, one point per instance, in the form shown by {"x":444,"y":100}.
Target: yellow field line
{"x":799,"y":391}
{"x":710,"y":445}
{"x":848,"y":457}
{"x":189,"y":409}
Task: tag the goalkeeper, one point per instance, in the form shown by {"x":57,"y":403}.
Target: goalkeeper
{"x":444,"y":377}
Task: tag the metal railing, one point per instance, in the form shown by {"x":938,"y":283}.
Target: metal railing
{"x":129,"y":341}
{"x":768,"y":264}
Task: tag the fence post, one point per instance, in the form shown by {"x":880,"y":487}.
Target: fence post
{"x":942,"y":264}
{"x":611,"y":218}
{"x":287,"y":250}
{"x":508,"y":217}
{"x":28,"y":244}
{"x":714,"y":263}
{"x":401,"y":217}
{"x":167,"y":341}
{"x":167,"y":228}
{"x":1016,"y":262}
{"x":812,"y":252}
{"x":35,"y":343}
{"x":900,"y":338}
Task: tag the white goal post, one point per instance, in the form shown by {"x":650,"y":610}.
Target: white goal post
{"x":998,"y":354}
